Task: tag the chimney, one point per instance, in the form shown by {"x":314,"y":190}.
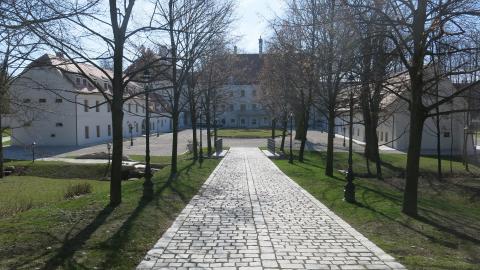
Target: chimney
{"x":260,"y":46}
{"x":235,"y":49}
{"x":59,"y":54}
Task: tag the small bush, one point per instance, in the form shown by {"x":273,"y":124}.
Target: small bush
{"x":77,"y":190}
{"x":20,"y":205}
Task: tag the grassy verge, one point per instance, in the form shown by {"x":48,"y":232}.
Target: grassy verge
{"x":85,"y":233}
{"x":247,"y":133}
{"x":58,"y":170}
{"x":446,"y":235}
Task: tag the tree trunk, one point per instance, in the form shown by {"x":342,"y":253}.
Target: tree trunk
{"x":117,"y":152}
{"x":1,"y":148}
{"x":439,"y":150}
{"x":173,"y":168}
{"x":209,"y":130}
{"x":284,"y":132}
{"x":304,"y":135}
{"x":193,"y":119}
{"x":331,"y":137}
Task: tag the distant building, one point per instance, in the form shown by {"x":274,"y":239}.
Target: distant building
{"x":70,"y":111}
{"x":243,"y":108}
{"x":394,"y":123}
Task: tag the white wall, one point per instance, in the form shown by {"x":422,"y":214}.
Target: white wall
{"x":53,"y":122}
{"x":252,"y":117}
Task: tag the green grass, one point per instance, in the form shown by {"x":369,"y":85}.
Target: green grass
{"x":445,"y":236}
{"x":58,"y":170}
{"x":247,"y":133}
{"x":7,"y":132}
{"x":84,"y":233}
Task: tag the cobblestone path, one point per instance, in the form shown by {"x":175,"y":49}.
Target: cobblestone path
{"x":250,"y":215}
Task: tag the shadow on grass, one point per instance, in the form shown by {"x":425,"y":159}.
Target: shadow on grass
{"x":64,"y":257}
{"x":118,"y":241}
{"x":71,"y":245}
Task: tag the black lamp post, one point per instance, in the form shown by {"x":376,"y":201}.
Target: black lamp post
{"x":201,"y":139}
{"x":349,"y":192}
{"x":148,"y":185}
{"x":33,"y":151}
{"x":290,"y":160}
{"x":130,"y":128}
{"x":109,"y":147}
{"x":344,"y":134}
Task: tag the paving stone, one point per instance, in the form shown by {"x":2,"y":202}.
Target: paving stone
{"x":250,"y":215}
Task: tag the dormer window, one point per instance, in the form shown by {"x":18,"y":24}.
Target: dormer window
{"x":78,"y":80}
{"x":84,"y":82}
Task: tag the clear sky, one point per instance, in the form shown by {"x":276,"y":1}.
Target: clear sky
{"x":253,"y":16}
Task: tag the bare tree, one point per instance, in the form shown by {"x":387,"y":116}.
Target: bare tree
{"x":190,"y":24}
{"x":415,"y":26}
{"x":113,"y":36}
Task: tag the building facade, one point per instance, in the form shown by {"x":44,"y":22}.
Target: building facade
{"x":67,"y":110}
{"x":394,"y":123}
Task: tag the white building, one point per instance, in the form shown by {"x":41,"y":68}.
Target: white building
{"x":394,"y":122}
{"x":69,"y":110}
{"x":243,"y":108}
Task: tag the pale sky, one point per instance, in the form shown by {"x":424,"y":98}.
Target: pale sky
{"x":253,"y":16}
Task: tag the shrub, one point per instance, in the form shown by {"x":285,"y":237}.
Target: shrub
{"x":77,"y":190}
{"x":20,"y":205}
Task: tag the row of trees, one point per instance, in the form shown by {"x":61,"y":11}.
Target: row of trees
{"x":111,"y":37}
{"x":323,"y":49}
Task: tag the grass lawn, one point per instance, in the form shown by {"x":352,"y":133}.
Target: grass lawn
{"x":247,"y":133}
{"x":445,"y":236}
{"x":84,"y":233}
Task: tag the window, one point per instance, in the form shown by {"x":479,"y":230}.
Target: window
{"x":58,"y":100}
{"x":59,"y":124}
{"x":42,"y":100}
{"x":98,"y":131}
{"x":97,"y":106}
{"x":78,"y":80}
{"x":232,"y":107}
{"x":242,"y":121}
{"x":243,"y":107}
{"x":130,"y":107}
{"x":381,"y":136}
{"x":136,"y":127}
{"x":242,"y":93}
{"x":446,"y":134}
{"x":109,"y":108}
{"x":143,"y":109}
{"x":254,"y":93}
{"x":87,"y":132}
{"x":84,"y":82}
{"x":358,"y":132}
{"x":254,"y":107}
{"x":105,"y":86}
{"x":232,"y":121}
{"x":109,"y":130}
{"x":254,"y":121}
{"x":223,"y":107}
{"x":85,"y":104}
{"x":223,"y":121}
{"x":27,"y":100}
{"x":386,"y":136}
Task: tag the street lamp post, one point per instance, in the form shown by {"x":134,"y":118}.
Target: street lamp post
{"x":109,"y":147}
{"x":33,"y":151}
{"x":349,"y":192}
{"x":201,"y":139}
{"x":148,"y":185}
{"x":290,"y":160}
{"x":130,"y":128}
{"x":344,"y":134}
